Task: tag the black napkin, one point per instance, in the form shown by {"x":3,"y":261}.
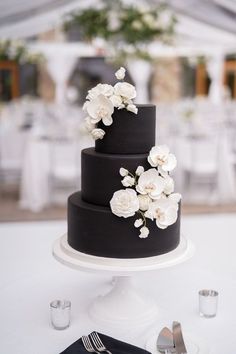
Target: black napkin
{"x":112,"y":344}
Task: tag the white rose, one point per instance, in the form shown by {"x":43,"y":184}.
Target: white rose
{"x":97,"y":133}
{"x":88,"y":124}
{"x":100,"y":108}
{"x":150,"y":183}
{"x":116,"y":100}
{"x":132,"y":108}
{"x":123,"y":172}
{"x":138,"y":223}
{"x":144,"y":201}
{"x":160,"y":156}
{"x":125,"y":90}
{"x":169,"y":185}
{"x":128,"y":181}
{"x":163,"y":211}
{"x":139,"y":170}
{"x":144,"y":232}
{"x":100,"y":89}
{"x":120,"y":74}
{"x":124,"y":203}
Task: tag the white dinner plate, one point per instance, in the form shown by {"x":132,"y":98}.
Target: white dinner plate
{"x":193,"y":345}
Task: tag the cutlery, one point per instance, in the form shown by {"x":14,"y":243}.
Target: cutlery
{"x":178,"y":338}
{"x":165,"y":341}
{"x":98,"y":343}
{"x":88,"y":345}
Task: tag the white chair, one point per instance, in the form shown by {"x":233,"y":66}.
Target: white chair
{"x":64,"y":174}
{"x":12,"y":147}
{"x":200,"y":167}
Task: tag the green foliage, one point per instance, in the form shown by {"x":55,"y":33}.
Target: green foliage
{"x":18,"y":52}
{"x":93,"y":23}
{"x":124,"y":25}
{"x":137,"y":27}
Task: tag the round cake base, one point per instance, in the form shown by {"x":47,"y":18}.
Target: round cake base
{"x":123,"y":304}
{"x":65,"y":254}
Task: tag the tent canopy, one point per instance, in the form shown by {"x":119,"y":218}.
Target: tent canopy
{"x":208,"y":22}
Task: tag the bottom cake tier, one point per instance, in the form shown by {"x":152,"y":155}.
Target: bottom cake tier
{"x":93,"y":229}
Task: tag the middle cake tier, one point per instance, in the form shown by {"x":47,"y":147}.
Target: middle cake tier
{"x":100,"y":176}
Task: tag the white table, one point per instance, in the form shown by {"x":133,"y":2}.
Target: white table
{"x":225,"y":191}
{"x":34,"y":189}
{"x":31,"y":278}
{"x":35,"y":193}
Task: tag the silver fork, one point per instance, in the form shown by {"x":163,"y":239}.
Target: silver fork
{"x":98,"y":343}
{"x":88,"y":345}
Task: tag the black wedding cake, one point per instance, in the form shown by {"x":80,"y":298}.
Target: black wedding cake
{"x":93,"y":228}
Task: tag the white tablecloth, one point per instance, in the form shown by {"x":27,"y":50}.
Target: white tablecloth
{"x":34,"y":189}
{"x":12,"y":148}
{"x":225,"y":191}
{"x":31,"y":278}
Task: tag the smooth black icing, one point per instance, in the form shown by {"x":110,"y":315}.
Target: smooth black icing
{"x":94,"y":230}
{"x":100,"y":174}
{"x":129,"y":133}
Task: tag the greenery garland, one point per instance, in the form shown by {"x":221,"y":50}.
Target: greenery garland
{"x":123,"y":25}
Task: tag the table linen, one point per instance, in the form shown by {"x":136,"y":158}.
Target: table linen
{"x":30,"y":278}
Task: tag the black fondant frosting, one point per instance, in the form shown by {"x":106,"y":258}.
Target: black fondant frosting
{"x":92,"y":227}
{"x":129,"y":133}
{"x":100,"y":174}
{"x":94,"y":230}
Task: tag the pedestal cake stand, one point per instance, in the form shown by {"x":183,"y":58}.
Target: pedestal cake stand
{"x":123,"y":304}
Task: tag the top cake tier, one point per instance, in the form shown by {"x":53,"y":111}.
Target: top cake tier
{"x":129,"y":133}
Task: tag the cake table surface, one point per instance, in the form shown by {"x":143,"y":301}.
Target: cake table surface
{"x":31,"y":278}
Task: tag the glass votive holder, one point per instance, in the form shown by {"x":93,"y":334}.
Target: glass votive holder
{"x":60,"y":314}
{"x":208,"y":300}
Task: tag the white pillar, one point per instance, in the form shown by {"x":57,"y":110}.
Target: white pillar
{"x":60,"y":67}
{"x":140,"y":71}
{"x":215,"y":69}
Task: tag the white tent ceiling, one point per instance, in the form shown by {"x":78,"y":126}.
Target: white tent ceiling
{"x":212,"y":12}
{"x":26,"y":18}
{"x":204,"y":22}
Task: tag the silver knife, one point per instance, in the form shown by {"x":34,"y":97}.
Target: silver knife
{"x":165,"y":341}
{"x":178,"y":338}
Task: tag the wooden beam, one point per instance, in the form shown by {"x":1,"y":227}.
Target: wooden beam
{"x":13,"y":67}
{"x":201,"y":80}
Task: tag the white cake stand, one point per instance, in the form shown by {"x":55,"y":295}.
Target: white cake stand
{"x":123,"y":304}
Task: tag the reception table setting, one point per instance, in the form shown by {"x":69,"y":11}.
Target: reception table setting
{"x":38,"y":129}
{"x":201,"y":135}
{"x":190,"y":128}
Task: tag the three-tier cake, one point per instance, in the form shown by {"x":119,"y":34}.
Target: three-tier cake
{"x":95,"y":226}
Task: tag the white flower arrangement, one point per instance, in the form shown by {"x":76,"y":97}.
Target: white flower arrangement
{"x":124,"y":203}
{"x":149,"y":193}
{"x":103,"y":99}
